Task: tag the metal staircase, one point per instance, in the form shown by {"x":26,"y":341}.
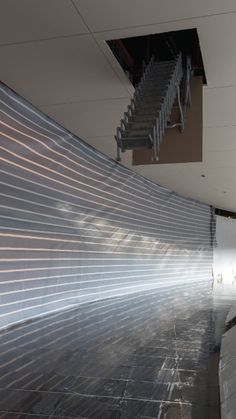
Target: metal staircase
{"x":148,"y":114}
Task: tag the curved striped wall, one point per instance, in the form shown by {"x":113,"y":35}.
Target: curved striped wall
{"x":77,"y":227}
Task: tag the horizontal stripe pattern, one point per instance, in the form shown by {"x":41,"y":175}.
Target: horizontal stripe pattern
{"x":77,"y":227}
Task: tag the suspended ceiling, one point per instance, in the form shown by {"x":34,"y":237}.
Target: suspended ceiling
{"x":53,"y":52}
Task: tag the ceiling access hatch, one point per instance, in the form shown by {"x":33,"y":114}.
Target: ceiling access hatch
{"x":175,"y":135}
{"x":132,"y":53}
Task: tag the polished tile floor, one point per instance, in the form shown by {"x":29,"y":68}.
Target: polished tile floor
{"x":122,"y":358}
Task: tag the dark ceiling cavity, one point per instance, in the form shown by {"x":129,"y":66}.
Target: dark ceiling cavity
{"x":133,"y":53}
{"x":224,"y":213}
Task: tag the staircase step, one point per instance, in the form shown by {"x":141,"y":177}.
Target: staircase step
{"x":156,"y":81}
{"x":148,"y":101}
{"x":155,"y":87}
{"x":147,"y":116}
{"x":136,"y":132}
{"x":151,"y":91}
{"x":158,"y":64}
{"x":152,"y":95}
{"x":147,"y":105}
{"x":143,"y":119}
{"x":147,"y":109}
{"x":162,"y":84}
{"x":134,"y":143}
{"x":162,"y":70}
{"x":158,"y":78}
{"x":146,"y":125}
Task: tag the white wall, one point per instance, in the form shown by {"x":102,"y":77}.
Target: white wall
{"x":224,"y":271}
{"x":225,"y":252}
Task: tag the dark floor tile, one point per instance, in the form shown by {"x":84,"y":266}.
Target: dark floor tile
{"x":142,"y":410}
{"x":79,"y":364}
{"x":172,"y":391}
{"x":172,"y":411}
{"x":96,"y":386}
{"x":11,"y":415}
{"x":198,"y":412}
{"x":116,"y":372}
{"x":28,"y":402}
{"x":193,"y":378}
{"x":89,"y":407}
{"x":147,"y":390}
{"x":137,"y":409}
{"x":185,"y":363}
{"x":145,"y":361}
{"x":141,"y":373}
{"x":30,"y":381}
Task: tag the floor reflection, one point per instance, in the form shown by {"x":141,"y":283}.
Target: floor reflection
{"x":119,"y":358}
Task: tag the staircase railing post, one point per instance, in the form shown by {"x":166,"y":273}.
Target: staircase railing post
{"x":180,"y":109}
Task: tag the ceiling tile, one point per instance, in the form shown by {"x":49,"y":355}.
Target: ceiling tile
{"x":223,"y":158}
{"x":81,"y":76}
{"x":133,"y":31}
{"x":107,"y":145}
{"x":217,"y":188}
{"x":222,"y":180}
{"x":220,"y":187}
{"x":219,"y":138}
{"x":28,"y":20}
{"x":219,"y":106}
{"x":60,"y":71}
{"x":112,"y":14}
{"x":217,"y":36}
{"x":177,"y":177}
{"x":90,"y":119}
{"x":163,"y":174}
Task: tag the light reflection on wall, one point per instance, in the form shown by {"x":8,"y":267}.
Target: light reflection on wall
{"x":77,"y":227}
{"x":224,"y":266}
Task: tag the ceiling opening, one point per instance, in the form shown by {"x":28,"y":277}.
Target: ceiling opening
{"x":132,"y":53}
{"x":224,"y":213}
